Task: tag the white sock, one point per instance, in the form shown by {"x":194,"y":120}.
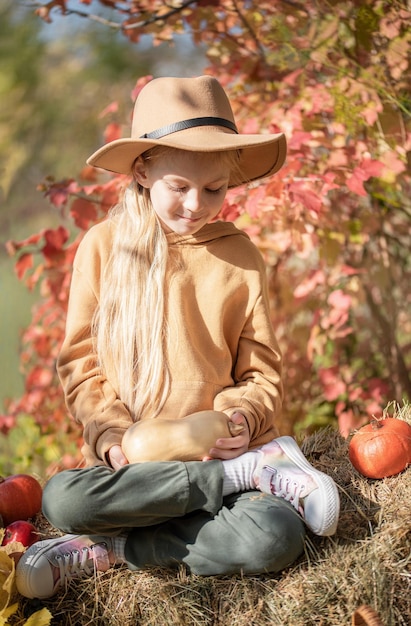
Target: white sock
{"x":238,"y":473}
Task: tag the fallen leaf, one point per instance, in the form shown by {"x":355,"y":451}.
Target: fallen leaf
{"x":7,"y":612}
{"x":39,"y":618}
{"x":7,"y":569}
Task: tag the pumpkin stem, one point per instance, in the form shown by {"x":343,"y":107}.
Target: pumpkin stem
{"x":375,"y":424}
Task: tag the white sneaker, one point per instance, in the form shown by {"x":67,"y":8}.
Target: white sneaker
{"x":284,"y":471}
{"x":50,"y":564}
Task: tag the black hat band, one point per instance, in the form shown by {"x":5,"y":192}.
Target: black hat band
{"x":185,"y":124}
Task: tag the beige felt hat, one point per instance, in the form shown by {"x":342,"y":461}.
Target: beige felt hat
{"x":191,"y":114}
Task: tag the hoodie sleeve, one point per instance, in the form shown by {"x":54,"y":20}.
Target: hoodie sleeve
{"x":90,"y":397}
{"x":257,"y":392}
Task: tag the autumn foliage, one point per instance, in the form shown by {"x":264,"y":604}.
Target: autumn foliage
{"x":333,"y":226}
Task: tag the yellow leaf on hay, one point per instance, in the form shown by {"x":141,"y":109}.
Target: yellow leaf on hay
{"x":7,"y":568}
{"x":39,"y":618}
{"x":13,"y":547}
{"x":6,"y":613}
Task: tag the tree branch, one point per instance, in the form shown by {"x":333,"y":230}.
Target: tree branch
{"x":109,"y":23}
{"x":249,"y":28}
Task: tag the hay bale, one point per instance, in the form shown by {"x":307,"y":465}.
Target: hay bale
{"x":368,"y":562}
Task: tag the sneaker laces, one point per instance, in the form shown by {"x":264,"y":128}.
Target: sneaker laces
{"x":285,"y":487}
{"x":77,"y":563}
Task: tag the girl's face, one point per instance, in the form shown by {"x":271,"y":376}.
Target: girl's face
{"x":187,"y":190}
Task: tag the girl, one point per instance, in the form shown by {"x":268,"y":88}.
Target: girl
{"x":169,"y":315}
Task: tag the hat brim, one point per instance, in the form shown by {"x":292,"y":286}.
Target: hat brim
{"x":261,"y":155}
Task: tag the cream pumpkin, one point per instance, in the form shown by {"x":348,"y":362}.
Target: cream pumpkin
{"x":186,"y":439}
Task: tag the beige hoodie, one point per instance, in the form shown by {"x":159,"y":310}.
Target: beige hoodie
{"x":223,"y":354}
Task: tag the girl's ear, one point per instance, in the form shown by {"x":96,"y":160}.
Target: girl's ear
{"x":140,"y":172}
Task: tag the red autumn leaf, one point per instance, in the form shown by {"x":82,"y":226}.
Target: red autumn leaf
{"x":111,"y":108}
{"x":291,"y":78}
{"x":229,"y":212}
{"x":35,"y":277}
{"x":355,"y":184}
{"x":340,"y":300}
{"x":334,"y":319}
{"x":348,"y":421}
{"x":112,"y":132}
{"x":298,"y":140}
{"x":13,"y":246}
{"x":347,"y":270}
{"x":40,"y":341}
{"x":7,"y":422}
{"x":354,"y":394}
{"x":90,"y":189}
{"x":24,"y":263}
{"x":88,"y":173}
{"x":83,"y":211}
{"x":39,"y":377}
{"x":300,"y":192}
{"x":377,"y":390}
{"x":55,"y":239}
{"x":363,"y":172}
{"x":309,"y":284}
{"x":58,"y":193}
{"x":371,"y":112}
{"x":252,"y":205}
{"x":333,"y":386}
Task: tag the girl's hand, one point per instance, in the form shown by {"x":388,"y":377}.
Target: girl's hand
{"x":231,"y":447}
{"x":116,"y":457}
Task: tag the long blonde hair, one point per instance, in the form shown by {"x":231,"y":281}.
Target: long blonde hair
{"x":130,"y":326}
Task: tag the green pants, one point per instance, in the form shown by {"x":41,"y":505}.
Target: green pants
{"x":175,"y":513}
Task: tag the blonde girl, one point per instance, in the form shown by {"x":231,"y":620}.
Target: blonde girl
{"x":169,"y":315}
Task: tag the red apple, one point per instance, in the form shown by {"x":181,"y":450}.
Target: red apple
{"x":20,"y":497}
{"x":21,"y":531}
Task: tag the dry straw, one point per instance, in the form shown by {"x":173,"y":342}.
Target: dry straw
{"x":362,"y":576}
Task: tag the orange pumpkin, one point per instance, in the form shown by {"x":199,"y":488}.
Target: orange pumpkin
{"x":381,"y":448}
